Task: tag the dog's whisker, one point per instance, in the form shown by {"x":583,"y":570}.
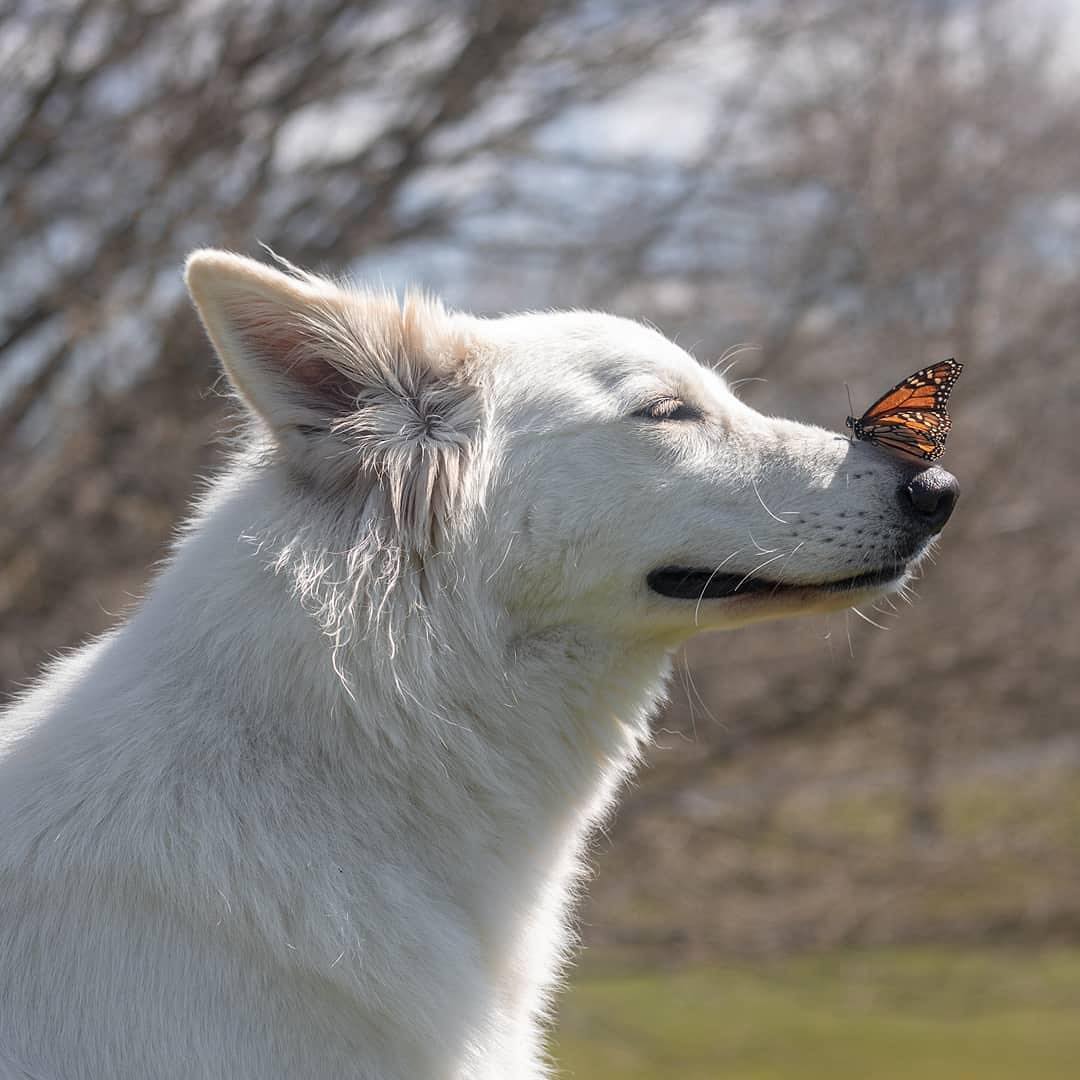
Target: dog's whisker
{"x":761,"y":566}
{"x":780,"y":576}
{"x":739,"y":382}
{"x":866,"y":618}
{"x":685,"y":676}
{"x":708,"y":582}
{"x":775,"y":517}
{"x":760,"y":550}
{"x":732,"y":354}
{"x":692,"y":686}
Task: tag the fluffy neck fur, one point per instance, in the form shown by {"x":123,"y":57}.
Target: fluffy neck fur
{"x":346,"y":732}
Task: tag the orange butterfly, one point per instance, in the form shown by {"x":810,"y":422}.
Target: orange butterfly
{"x":911,"y":418}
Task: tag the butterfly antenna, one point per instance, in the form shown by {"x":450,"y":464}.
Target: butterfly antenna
{"x":851,"y":411}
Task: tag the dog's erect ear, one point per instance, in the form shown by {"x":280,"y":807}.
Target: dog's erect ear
{"x":266,"y":327}
{"x":332,"y":370}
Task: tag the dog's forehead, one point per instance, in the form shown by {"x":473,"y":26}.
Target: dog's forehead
{"x":609,"y":351}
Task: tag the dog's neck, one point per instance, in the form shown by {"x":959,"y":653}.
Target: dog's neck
{"x":502,"y":747}
{"x":391,"y":822}
{"x":284,"y":617}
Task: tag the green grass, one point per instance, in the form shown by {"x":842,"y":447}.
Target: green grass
{"x":935,"y":1014}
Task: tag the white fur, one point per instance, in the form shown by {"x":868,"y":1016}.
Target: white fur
{"x":317,"y":809}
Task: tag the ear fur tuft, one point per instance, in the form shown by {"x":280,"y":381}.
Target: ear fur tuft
{"x":333,"y":369}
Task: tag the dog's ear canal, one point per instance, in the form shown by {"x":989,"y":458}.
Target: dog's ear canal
{"x":275,"y":336}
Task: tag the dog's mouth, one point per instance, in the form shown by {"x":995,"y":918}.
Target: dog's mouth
{"x":691,"y":583}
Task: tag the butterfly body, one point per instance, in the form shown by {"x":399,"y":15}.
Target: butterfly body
{"x":912,"y":418}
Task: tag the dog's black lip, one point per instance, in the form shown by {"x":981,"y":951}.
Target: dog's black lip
{"x":695,"y":583}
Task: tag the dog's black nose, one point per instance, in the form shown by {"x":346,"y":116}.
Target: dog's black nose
{"x":931,"y":495}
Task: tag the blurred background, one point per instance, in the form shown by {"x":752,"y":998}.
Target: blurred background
{"x":857,"y":849}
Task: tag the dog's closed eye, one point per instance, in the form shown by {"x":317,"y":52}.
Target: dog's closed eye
{"x":669,"y":408}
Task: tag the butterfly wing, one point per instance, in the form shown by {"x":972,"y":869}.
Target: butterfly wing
{"x":919,"y":434}
{"x":927,"y":391}
{"x":912,"y":418}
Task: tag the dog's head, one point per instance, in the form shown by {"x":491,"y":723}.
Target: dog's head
{"x":652,"y":494}
{"x":580,"y":467}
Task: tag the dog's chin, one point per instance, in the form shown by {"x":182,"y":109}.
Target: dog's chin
{"x":745,"y":596}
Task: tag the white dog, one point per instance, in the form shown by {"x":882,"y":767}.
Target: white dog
{"x":317,"y":809}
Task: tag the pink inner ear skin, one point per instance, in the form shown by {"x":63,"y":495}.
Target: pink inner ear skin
{"x":324,"y":384}
{"x":277,"y":341}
